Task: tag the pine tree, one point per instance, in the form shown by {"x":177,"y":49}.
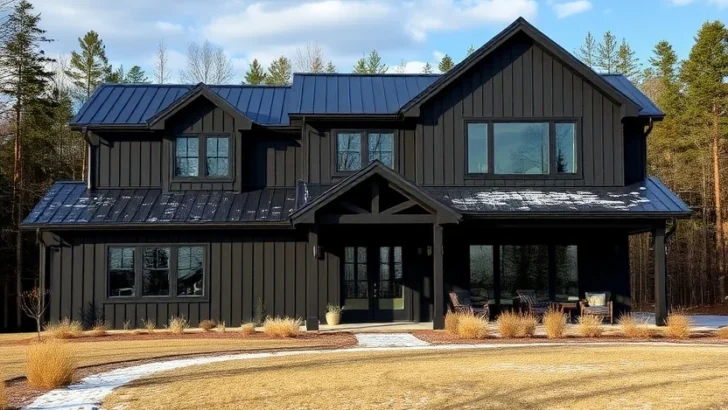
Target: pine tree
{"x":136,"y":76}
{"x":445,"y":64}
{"x":607,"y":52}
{"x":89,"y":67}
{"x":115,"y":76}
{"x":279,"y":72}
{"x":256,"y":74}
{"x":330,"y":67}
{"x":371,"y":64}
{"x":471,"y":50}
{"x":587,"y":53}
{"x":427,"y":69}
{"x":402,"y":67}
{"x":24,"y":83}
{"x":627,"y":62}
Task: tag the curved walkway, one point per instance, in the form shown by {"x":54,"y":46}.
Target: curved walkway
{"x":89,"y":393}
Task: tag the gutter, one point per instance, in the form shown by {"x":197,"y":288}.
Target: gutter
{"x":650,"y":126}
{"x":152,"y":226}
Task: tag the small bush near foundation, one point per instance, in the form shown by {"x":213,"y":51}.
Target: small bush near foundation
{"x":590,"y":326}
{"x":208,"y":325}
{"x":678,"y":326}
{"x":49,"y":364}
{"x":127,"y":324}
{"x":177,"y":324}
{"x":471,"y":326}
{"x":221,"y":327}
{"x":247,"y":329}
{"x":99,"y":329}
{"x":511,"y":324}
{"x":722,"y":333}
{"x":554,"y":323}
{"x":3,"y":396}
{"x":65,"y":329}
{"x":633,"y":327}
{"x":451,"y":322}
{"x":149,"y":325}
{"x":283,"y":327}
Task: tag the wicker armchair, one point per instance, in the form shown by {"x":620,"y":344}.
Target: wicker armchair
{"x":604,"y":311}
{"x":460,"y":302}
{"x":527,"y":299}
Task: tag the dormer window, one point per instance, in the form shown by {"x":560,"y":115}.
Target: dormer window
{"x":205,"y":156}
{"x":355,"y":149}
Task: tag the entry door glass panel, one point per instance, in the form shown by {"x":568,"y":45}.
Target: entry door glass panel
{"x":390,"y":290}
{"x":356,"y":278}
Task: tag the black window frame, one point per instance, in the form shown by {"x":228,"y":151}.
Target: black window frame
{"x":202,"y":157}
{"x":364,"y":135}
{"x":552,"y":174}
{"x":139,"y":274}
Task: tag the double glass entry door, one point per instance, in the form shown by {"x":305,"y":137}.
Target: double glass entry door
{"x":373,"y":283}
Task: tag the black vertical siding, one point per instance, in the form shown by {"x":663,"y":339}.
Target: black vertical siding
{"x":128,"y":160}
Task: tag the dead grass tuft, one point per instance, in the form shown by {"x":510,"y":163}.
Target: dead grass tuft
{"x":247,"y":329}
{"x":99,"y":329}
{"x":208,"y":325}
{"x":221,"y":327}
{"x":177,"y":324}
{"x":511,"y":324}
{"x":3,"y":396}
{"x":127,"y":325}
{"x":633,"y":327}
{"x":590,"y":326}
{"x":471,"y":326}
{"x":49,"y":364}
{"x":678,"y":326}
{"x":451,"y":322}
{"x":65,"y":329}
{"x":283,"y":327}
{"x":149,"y":325}
{"x":554,"y":323}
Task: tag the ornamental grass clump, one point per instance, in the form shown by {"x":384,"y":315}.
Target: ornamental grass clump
{"x":471,"y":326}
{"x":554,"y":323}
{"x":590,"y":326}
{"x":49,"y":364}
{"x":282,"y":326}
{"x":208,"y":325}
{"x":451,"y":322}
{"x":99,"y":329}
{"x":511,"y":324}
{"x":633,"y":327}
{"x":65,"y":329}
{"x":722,"y":333}
{"x":247,"y":329}
{"x":3,"y":396}
{"x":177,"y":325}
{"x":677,"y":326}
{"x":149,"y":325}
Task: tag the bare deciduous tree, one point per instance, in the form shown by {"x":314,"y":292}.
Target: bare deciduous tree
{"x":161,"y":68}
{"x":34,"y":306}
{"x":309,"y":59}
{"x":208,"y":64}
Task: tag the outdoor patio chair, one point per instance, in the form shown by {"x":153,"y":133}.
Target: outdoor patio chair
{"x":598,"y":304}
{"x":460,"y":302}
{"x":527,"y":299}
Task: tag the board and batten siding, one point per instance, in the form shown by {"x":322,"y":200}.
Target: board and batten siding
{"x":240,"y":268}
{"x":129,"y":160}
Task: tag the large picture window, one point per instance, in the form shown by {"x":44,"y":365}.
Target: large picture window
{"x":521,"y":148}
{"x":156,"y":271}
{"x":205,"y":156}
{"x":482,"y":285}
{"x":355,"y":150}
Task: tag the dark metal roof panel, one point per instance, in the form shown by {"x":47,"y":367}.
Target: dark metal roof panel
{"x":623,"y":85}
{"x":72,"y":204}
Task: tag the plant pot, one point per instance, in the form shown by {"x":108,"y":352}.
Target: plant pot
{"x":333,"y":319}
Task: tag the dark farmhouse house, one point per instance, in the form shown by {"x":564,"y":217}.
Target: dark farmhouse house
{"x":520,"y":168}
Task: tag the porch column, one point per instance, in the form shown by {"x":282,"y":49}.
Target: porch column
{"x":312,"y":317}
{"x":438,"y":291}
{"x":658,"y":247}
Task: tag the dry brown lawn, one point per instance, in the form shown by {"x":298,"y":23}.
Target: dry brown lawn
{"x":547,"y":377}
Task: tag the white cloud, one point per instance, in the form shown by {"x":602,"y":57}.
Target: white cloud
{"x":718,"y":3}
{"x":682,"y":2}
{"x":438,"y":55}
{"x":571,"y":8}
{"x":166,"y":26}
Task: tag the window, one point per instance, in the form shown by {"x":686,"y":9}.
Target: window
{"x":160,"y":271}
{"x":482,"y":289}
{"x":356,"y":149}
{"x":567,"y":277}
{"x":522,"y":148}
{"x":356,"y":283}
{"x":121,"y":272}
{"x":204,"y":155}
{"x":390,"y":272}
{"x":524,"y":267}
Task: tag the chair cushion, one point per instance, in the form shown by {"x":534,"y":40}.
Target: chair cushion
{"x":596,"y":299}
{"x":597,"y":310}
{"x":460,"y":298}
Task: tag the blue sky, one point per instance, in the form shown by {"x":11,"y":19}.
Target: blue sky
{"x":416,"y":31}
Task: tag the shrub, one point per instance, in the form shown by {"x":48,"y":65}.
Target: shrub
{"x":633,"y":327}
{"x":284,"y":327}
{"x":590,"y":326}
{"x":722,"y":333}
{"x":65,"y":329}
{"x":678,"y":326}
{"x":247,"y":329}
{"x":451,"y":322}
{"x":208,"y":325}
{"x":3,"y":396}
{"x":221,"y":327}
{"x":471,"y":326}
{"x":177,"y":324}
{"x":49,"y":364}
{"x":334,"y":309}
{"x":99,"y":329}
{"x":554,"y":323}
{"x":149,"y":325}
{"x":511,"y":324}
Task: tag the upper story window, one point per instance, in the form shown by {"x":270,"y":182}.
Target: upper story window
{"x":356,"y":149}
{"x":521,"y":148}
{"x":202,"y":156}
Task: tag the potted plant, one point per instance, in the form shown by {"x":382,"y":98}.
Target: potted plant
{"x":333,"y":315}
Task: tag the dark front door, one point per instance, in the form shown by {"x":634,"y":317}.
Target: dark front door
{"x":374,"y":284}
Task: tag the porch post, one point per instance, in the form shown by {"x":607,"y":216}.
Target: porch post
{"x":438,"y":291}
{"x":658,"y":248}
{"x":312,"y":316}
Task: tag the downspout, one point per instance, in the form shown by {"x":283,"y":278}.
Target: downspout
{"x":84,"y":131}
{"x":41,"y":261}
{"x":650,"y":126}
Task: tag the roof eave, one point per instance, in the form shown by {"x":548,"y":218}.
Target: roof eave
{"x":154,"y":226}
